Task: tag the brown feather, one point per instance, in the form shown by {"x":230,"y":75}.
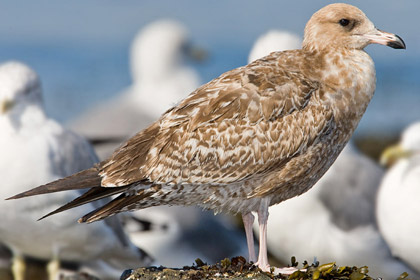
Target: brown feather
{"x":132,"y":153}
{"x":119,"y":204}
{"x":254,"y":99}
{"x":91,"y":195}
{"x":82,"y":180}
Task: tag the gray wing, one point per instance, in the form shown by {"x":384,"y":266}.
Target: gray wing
{"x":71,"y":154}
{"x":76,"y":154}
{"x":349,"y":187}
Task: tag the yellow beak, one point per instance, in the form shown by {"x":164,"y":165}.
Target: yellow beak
{"x":392,"y":154}
{"x":5,"y":106}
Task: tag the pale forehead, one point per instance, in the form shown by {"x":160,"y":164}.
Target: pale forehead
{"x":164,"y":30}
{"x":338,"y":11}
{"x":16,"y":77}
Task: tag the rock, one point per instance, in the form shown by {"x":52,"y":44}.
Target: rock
{"x":78,"y":276}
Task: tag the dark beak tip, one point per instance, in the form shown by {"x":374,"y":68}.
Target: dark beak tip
{"x":397,"y":44}
{"x":12,"y":197}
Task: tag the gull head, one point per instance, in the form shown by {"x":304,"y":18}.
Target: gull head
{"x":274,"y":40}
{"x":160,"y":48}
{"x":19,"y":86}
{"x":343,"y":26}
{"x":408,"y":146}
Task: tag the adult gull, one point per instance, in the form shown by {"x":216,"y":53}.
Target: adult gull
{"x":34,"y":150}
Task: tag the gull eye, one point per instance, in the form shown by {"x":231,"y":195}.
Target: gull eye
{"x":344,"y":22}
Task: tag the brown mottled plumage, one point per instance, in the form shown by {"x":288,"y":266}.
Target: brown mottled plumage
{"x":254,"y":136}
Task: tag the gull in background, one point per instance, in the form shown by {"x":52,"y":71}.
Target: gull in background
{"x":176,"y":236}
{"x":34,"y":150}
{"x":272,"y":41}
{"x":161,"y":78}
{"x":398,"y":207}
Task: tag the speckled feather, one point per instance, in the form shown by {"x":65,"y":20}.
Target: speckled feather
{"x":232,"y":127}
{"x":269,"y":129}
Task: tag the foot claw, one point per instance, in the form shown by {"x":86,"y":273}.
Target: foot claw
{"x":263,"y":267}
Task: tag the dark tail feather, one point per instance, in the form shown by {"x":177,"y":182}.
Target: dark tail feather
{"x":91,"y":195}
{"x":119,"y":204}
{"x":82,"y":180}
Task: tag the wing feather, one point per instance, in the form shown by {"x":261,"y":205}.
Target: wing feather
{"x":247,"y":121}
{"x":84,"y":179}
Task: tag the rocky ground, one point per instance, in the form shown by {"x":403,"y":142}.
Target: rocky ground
{"x":238,"y":269}
{"x":228,"y":269}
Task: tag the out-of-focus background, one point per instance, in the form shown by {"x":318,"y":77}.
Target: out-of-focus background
{"x":81,"y":49}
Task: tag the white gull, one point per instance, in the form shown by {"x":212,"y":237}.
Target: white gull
{"x":34,"y":150}
{"x":398,"y":207}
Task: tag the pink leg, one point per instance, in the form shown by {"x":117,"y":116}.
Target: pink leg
{"x":262,"y":221}
{"x":262,"y":256}
{"x":248,"y":220}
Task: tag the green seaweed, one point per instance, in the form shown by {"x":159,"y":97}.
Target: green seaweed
{"x":238,"y":268}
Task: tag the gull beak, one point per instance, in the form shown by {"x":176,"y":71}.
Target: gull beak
{"x":5,"y":106}
{"x":385,"y":38}
{"x":196,"y":53}
{"x":392,"y":154}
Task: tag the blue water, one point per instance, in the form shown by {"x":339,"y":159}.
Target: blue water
{"x":76,"y":77}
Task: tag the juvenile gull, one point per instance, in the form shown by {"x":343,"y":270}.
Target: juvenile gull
{"x":253,"y":137}
{"x":398,"y":207}
{"x":161,"y":78}
{"x":35,"y":150}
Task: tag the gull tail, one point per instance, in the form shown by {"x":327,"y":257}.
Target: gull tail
{"x":88,"y":178}
{"x":91,"y":195}
{"x":122,"y":203}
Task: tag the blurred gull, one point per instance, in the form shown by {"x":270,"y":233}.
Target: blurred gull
{"x":161,"y":78}
{"x":274,"y":40}
{"x":335,"y":220}
{"x":398,"y":207}
{"x":35,"y":150}
{"x":5,"y":257}
{"x":176,"y":236}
